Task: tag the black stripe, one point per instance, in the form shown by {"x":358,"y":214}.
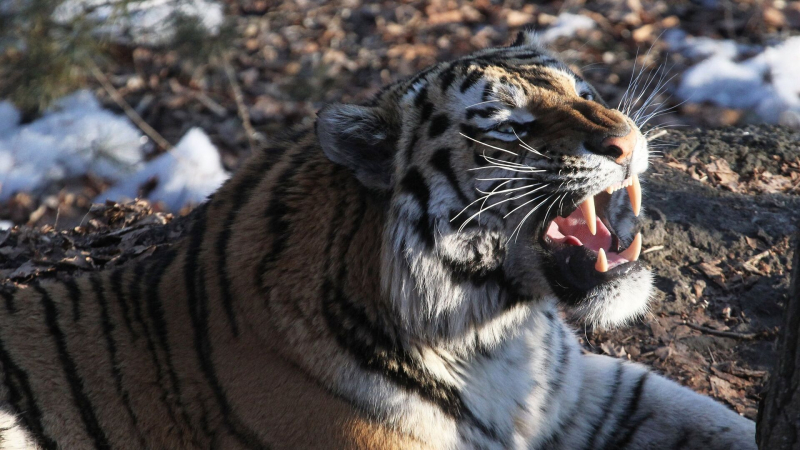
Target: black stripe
{"x":420,"y":75}
{"x":563,"y":427}
{"x":135,"y":290}
{"x":75,"y":298}
{"x":480,"y":161}
{"x":630,"y":431}
{"x":20,"y":396}
{"x":439,"y":125}
{"x":71,"y":372}
{"x":426,"y":112}
{"x":446,"y":77}
{"x":197,"y":299}
{"x":119,"y":294}
{"x":470,"y":80}
{"x":527,"y":55}
{"x":111,"y":346}
{"x":441,"y":162}
{"x":607,"y":405}
{"x":414,"y":184}
{"x":630,"y":410}
{"x":155,"y":310}
{"x":683,"y":439}
{"x":243,"y":190}
{"x":484,"y":113}
{"x":563,"y":362}
{"x":9,"y":298}
{"x":519,"y":41}
{"x":275,"y":214}
{"x":488,"y":91}
{"x":422,"y":97}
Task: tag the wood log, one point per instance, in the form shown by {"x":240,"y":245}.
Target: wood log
{"x":778,"y":423}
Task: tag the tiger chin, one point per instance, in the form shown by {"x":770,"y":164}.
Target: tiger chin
{"x":390,"y":278}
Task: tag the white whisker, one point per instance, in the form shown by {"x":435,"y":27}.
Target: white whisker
{"x":516,"y":230}
{"x":487,"y":145}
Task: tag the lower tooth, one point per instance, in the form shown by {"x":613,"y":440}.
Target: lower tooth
{"x":632,"y":252}
{"x":602,"y":263}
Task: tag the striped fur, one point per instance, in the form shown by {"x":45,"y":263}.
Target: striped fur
{"x":328,"y":296}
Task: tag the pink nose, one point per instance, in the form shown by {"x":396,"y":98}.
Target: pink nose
{"x":621,"y":146}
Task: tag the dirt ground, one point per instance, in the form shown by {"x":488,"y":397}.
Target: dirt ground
{"x":718,"y":240}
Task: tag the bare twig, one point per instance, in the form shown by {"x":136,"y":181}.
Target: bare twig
{"x":750,"y":263}
{"x":129,"y":111}
{"x":657,"y":135}
{"x":727,"y":334}
{"x":654,"y":248}
{"x":244,"y":115}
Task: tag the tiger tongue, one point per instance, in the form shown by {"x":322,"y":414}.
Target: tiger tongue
{"x":575,"y":226}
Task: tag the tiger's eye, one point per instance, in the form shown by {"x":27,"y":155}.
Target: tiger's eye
{"x":505,"y":128}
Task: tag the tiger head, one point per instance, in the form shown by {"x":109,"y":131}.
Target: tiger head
{"x":507,"y":180}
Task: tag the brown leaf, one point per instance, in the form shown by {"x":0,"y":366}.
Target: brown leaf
{"x":722,"y":388}
{"x":659,"y":332}
{"x":712,"y":271}
{"x":723,"y":174}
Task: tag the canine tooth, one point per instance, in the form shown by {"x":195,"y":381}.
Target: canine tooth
{"x":635,"y":194}
{"x":587,"y":208}
{"x":602,"y":263}
{"x":632,"y":252}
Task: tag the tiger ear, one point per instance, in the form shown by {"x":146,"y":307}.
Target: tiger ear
{"x":360,"y":138}
{"x":526,"y":37}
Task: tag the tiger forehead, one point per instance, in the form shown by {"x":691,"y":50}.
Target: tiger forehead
{"x":513,"y":85}
{"x":532,"y":77}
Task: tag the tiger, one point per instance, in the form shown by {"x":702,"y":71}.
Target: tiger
{"x":396,"y":276}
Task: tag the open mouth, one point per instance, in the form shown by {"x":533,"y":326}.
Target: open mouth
{"x":586,"y":245}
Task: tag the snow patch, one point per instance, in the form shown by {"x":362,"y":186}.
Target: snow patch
{"x":767,"y":84}
{"x":187,"y":174}
{"x":148,"y":22}
{"x":76,"y":136}
{"x":9,"y":118}
{"x":566,"y":25}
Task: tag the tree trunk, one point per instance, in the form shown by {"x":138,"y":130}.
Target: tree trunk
{"x":778,"y":426}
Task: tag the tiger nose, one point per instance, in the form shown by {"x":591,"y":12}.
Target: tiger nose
{"x":618,"y":148}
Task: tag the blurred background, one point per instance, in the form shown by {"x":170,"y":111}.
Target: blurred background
{"x":161,"y":100}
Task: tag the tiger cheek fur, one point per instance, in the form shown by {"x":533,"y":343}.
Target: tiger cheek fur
{"x":388,"y":279}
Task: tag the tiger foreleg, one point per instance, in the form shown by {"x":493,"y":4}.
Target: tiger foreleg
{"x":634,"y":408}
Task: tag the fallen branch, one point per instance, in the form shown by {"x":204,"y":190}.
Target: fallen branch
{"x":657,"y":135}
{"x":727,"y":334}
{"x":780,"y":408}
{"x":244,"y":115}
{"x":654,"y":248}
{"x":129,"y":111}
